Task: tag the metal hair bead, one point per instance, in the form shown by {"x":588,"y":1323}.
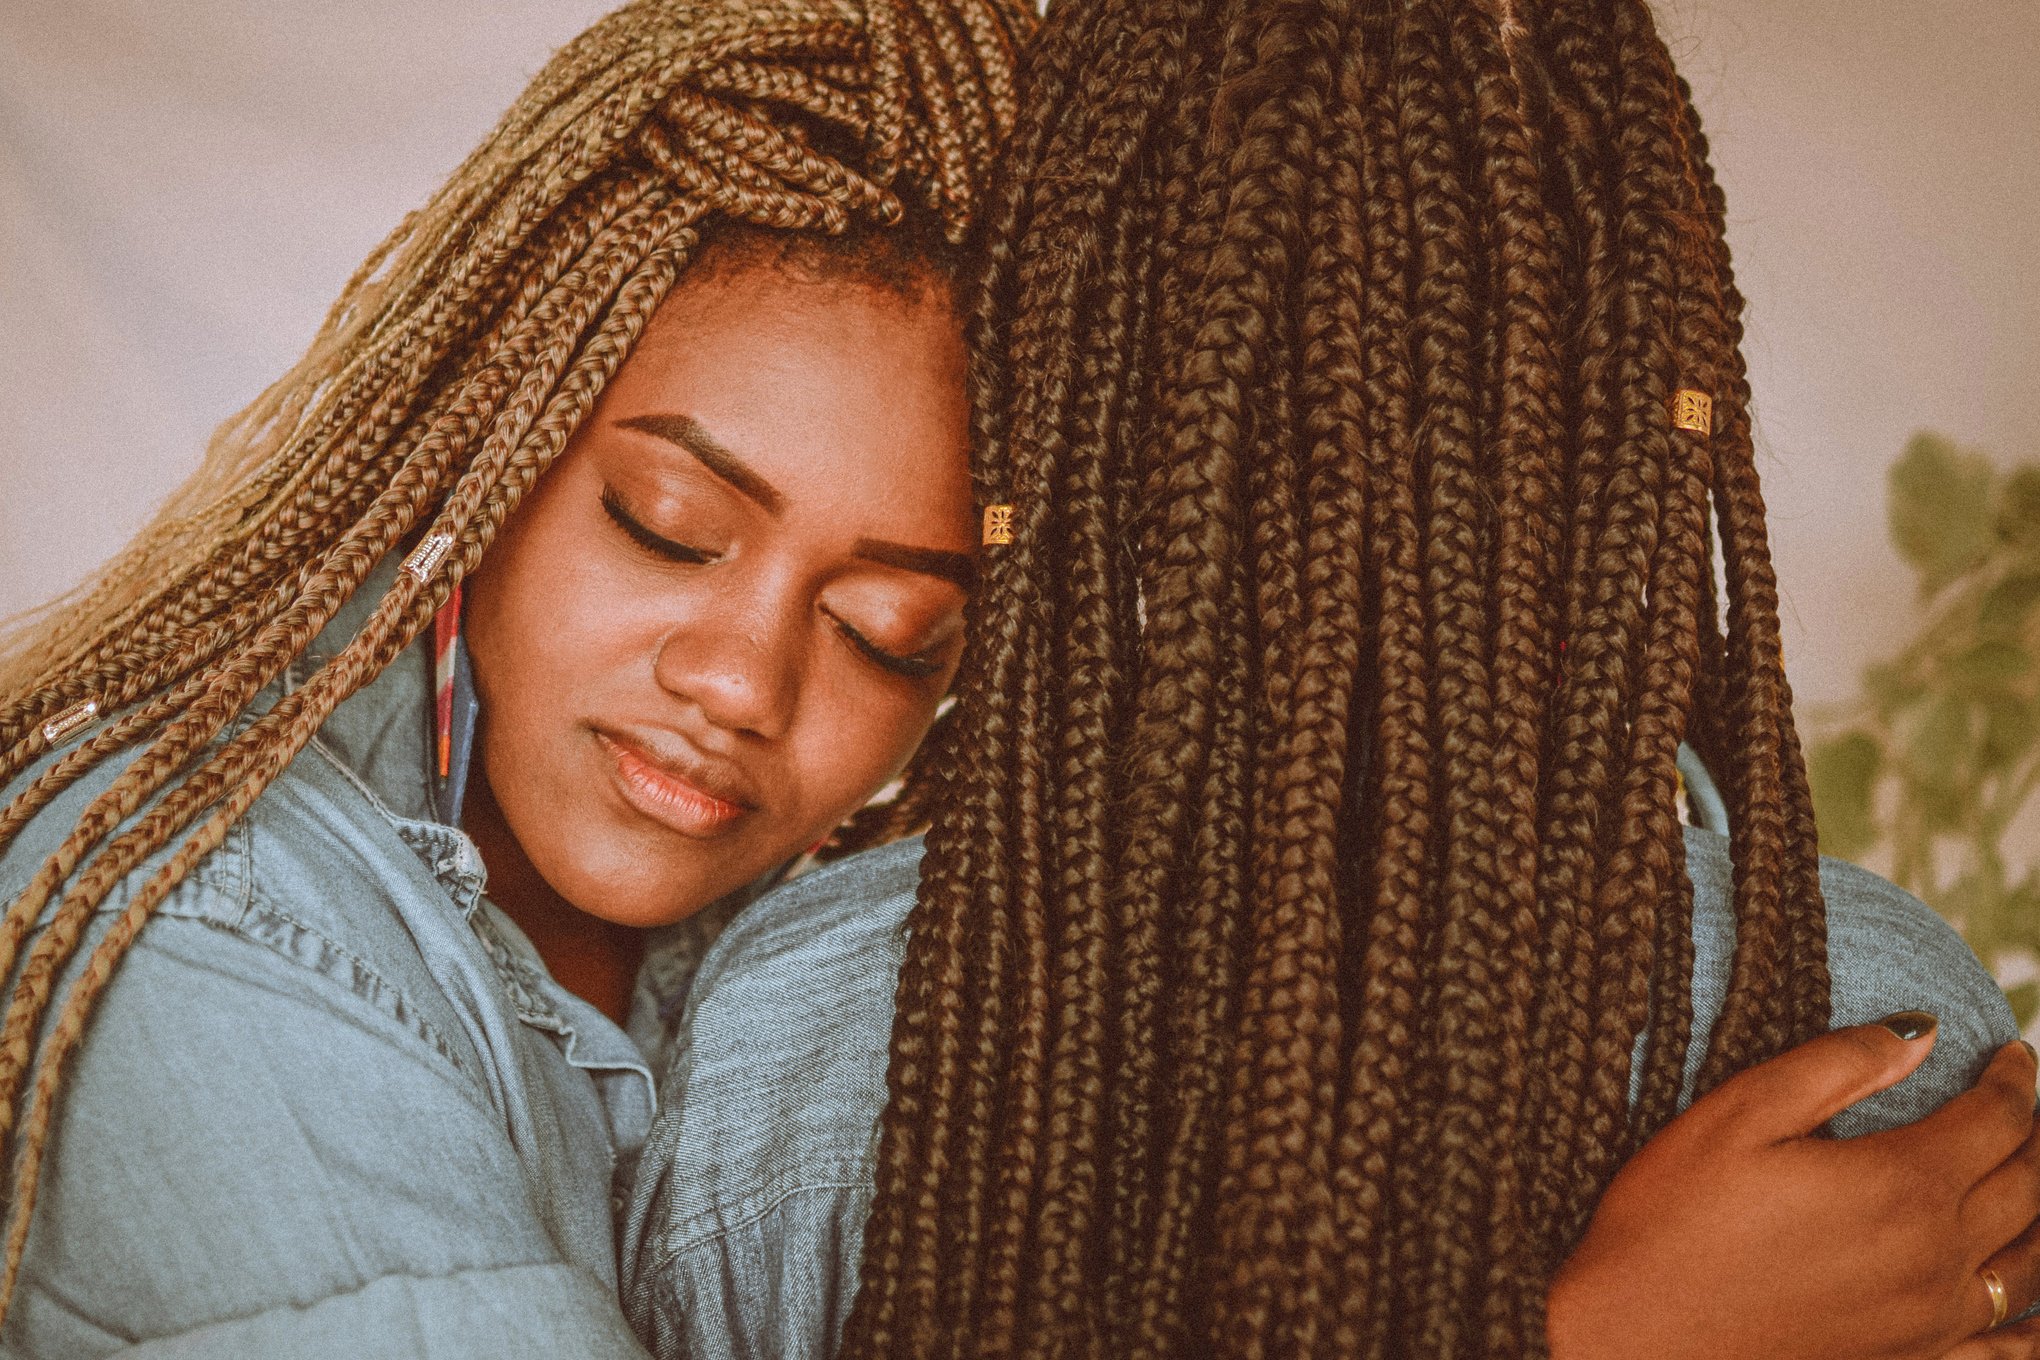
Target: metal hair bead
{"x":426,"y":557}
{"x":998,"y":525}
{"x":1693,"y":411}
{"x":69,"y":721}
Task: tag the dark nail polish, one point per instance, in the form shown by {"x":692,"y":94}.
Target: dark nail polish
{"x":1910,"y":1025}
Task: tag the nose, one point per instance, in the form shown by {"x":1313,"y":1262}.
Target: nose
{"x":739,"y":665}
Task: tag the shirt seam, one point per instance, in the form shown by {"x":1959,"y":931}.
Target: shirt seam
{"x":300,"y":1306}
{"x":360,"y":785}
{"x":400,"y":1007}
{"x":748,"y":1211}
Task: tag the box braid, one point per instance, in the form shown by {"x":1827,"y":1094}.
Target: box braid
{"x":452,"y":372}
{"x":1305,"y":859}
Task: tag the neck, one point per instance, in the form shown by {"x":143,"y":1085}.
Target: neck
{"x":596,"y":960}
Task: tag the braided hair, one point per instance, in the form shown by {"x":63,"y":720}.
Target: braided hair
{"x":1308,"y":858}
{"x":454,"y":368}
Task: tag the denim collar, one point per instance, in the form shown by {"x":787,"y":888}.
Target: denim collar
{"x":383,"y":736}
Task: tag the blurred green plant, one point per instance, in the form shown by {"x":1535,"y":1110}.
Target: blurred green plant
{"x":1938,"y":756}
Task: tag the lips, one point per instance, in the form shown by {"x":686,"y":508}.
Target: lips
{"x":676,"y":787}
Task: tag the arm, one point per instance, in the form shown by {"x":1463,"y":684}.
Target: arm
{"x":1739,"y":1230}
{"x":747,"y":1220}
{"x":252,"y":1160}
{"x":1887,"y":952}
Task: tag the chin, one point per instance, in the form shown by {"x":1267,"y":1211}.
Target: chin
{"x":624,"y":894}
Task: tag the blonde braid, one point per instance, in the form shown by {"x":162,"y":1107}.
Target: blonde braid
{"x":363,"y":547}
{"x":451,"y":372}
{"x":183,"y":652}
{"x":258,"y":663}
{"x":299,"y":716}
{"x":176,"y":623}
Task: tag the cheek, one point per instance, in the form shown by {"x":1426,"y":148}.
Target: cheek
{"x":858,"y":746}
{"x":546,"y":622}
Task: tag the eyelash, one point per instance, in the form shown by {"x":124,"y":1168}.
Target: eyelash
{"x":911,"y":667}
{"x":646,"y":539}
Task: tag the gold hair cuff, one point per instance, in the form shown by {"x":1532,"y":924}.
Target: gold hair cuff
{"x":426,"y":557}
{"x":69,"y":721}
{"x":1693,"y":411}
{"x":998,"y":525}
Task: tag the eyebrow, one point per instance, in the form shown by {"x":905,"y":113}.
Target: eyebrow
{"x":954,"y":567}
{"x":686,"y":433}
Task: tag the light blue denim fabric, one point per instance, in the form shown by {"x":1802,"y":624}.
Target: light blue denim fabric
{"x":748,"y":1215}
{"x":331,"y":1104}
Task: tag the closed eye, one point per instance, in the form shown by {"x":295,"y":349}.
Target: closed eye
{"x":919,"y":667}
{"x":652,"y":543}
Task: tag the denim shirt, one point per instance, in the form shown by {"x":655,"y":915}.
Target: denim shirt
{"x":747,"y":1219}
{"x":331,"y":1103}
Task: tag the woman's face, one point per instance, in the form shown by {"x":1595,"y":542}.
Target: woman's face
{"x":726,"y":615}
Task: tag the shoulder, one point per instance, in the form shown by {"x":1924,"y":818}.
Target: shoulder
{"x":845,"y":920}
{"x":784,"y":1046}
{"x":747,"y":1217}
{"x":317,"y":852}
{"x":1887,"y":951}
{"x":224,"y":1145}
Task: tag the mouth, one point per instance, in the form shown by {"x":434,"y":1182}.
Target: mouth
{"x":689,"y":795}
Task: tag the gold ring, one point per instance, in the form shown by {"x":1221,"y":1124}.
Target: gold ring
{"x":2000,"y":1305}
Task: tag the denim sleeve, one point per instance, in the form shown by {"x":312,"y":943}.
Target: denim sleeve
{"x":748,"y":1212}
{"x":749,"y":1206}
{"x":1887,"y":952}
{"x":272,"y":1165}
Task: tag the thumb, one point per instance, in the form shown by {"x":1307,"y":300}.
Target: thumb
{"x":1802,"y":1088}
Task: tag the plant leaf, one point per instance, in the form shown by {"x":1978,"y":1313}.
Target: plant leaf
{"x":2025,"y":999}
{"x":1976,"y":903}
{"x":1843,"y":771}
{"x":1940,"y":509}
{"x":1891,"y":687}
{"x":2009,"y":726}
{"x":2018,"y":505}
{"x":1939,"y":751}
{"x":1990,"y":666}
{"x":2007,"y":603}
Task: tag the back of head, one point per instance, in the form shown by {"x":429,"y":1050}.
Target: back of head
{"x":1363,"y":379}
{"x":448,"y":377}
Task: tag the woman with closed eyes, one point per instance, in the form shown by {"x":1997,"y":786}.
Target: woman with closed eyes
{"x":361,"y":823}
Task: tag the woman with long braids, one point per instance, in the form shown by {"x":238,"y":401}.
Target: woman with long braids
{"x":1308,"y":958}
{"x":669,"y":377}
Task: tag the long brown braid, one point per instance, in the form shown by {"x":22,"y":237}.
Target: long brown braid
{"x":1307,"y":857}
{"x":450,"y":374}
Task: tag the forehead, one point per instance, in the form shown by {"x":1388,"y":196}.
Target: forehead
{"x":811,"y":382}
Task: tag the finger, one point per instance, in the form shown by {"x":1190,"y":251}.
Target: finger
{"x":2018,"y":1266}
{"x":1981,"y":1127}
{"x":2007,"y":1200}
{"x":1799,"y":1090}
{"x":2019,"y":1341}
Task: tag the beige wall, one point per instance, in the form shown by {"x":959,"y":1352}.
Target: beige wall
{"x":184,"y":187}
{"x":1882,"y":162}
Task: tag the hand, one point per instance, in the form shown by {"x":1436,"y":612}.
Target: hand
{"x":1738,"y":1233}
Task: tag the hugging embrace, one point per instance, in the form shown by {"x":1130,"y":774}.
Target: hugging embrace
{"x":1246,"y":480}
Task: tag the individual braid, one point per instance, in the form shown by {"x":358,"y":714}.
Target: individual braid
{"x":451,"y":373}
{"x":1307,"y":863}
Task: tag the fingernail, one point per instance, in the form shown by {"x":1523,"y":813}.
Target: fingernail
{"x":2031,"y":1052}
{"x":1910,"y":1025}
